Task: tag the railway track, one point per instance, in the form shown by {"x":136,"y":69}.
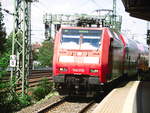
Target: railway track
{"x":33,"y":79}
{"x":87,"y":107}
{"x":66,"y":106}
{"x":51,"y":106}
{"x":59,"y":104}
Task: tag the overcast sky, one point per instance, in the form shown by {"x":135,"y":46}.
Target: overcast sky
{"x":136,"y":28}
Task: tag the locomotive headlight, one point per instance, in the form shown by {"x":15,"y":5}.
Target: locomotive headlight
{"x":94,"y":70}
{"x":91,"y":60}
{"x":63,"y":69}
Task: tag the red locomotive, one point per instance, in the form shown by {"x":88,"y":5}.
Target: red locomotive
{"x":85,"y":59}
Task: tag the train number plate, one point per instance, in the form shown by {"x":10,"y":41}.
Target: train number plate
{"x":78,"y":70}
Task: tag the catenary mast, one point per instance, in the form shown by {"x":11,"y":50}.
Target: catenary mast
{"x":19,"y":60}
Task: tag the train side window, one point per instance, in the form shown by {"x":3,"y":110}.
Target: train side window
{"x":116,"y":43}
{"x":116,"y":36}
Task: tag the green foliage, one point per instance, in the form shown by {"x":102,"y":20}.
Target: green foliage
{"x":2,"y":33}
{"x":44,"y":88}
{"x":4,"y":58}
{"x":39,"y":93}
{"x":24,"y":100}
{"x":45,"y":55}
{"x":35,"y":55}
{"x":4,"y":61}
{"x":10,"y":100}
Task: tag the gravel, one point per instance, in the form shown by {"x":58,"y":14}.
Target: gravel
{"x":68,"y":107}
{"x":34,"y":108}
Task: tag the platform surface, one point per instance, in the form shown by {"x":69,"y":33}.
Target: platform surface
{"x":134,"y":97}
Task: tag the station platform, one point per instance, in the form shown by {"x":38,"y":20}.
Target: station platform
{"x":133,"y":97}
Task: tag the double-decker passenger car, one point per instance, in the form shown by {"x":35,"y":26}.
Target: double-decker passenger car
{"x":85,"y":59}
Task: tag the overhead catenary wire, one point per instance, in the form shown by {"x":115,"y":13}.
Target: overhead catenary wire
{"x":7,"y":11}
{"x":75,"y":9}
{"x":96,"y":4}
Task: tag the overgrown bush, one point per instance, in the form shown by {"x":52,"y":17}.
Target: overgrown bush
{"x":24,"y":100}
{"x":44,"y":88}
{"x":11,"y":101}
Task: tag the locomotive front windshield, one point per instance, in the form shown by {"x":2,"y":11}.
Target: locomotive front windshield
{"x":81,"y":39}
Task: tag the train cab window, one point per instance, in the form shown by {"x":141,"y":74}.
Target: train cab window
{"x":80,"y":39}
{"x":115,"y":35}
{"x":117,"y":43}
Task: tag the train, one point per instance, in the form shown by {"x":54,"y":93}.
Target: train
{"x":87,"y":59}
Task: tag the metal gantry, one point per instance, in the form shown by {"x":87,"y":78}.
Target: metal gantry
{"x":108,"y":19}
{"x":54,"y":21}
{"x":19,"y":60}
{"x":114,"y":11}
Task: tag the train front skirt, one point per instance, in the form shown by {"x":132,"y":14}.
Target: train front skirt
{"x":77,"y":85}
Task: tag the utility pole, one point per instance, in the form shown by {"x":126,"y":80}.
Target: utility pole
{"x":19,"y":60}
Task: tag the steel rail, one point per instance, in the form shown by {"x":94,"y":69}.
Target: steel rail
{"x":51,"y":106}
{"x":87,"y":107}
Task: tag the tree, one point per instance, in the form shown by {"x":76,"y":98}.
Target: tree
{"x":2,"y":33}
{"x":4,"y":58}
{"x":8,"y":98}
{"x":45,"y":55}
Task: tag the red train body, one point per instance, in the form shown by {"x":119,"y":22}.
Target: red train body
{"x":85,"y":59}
